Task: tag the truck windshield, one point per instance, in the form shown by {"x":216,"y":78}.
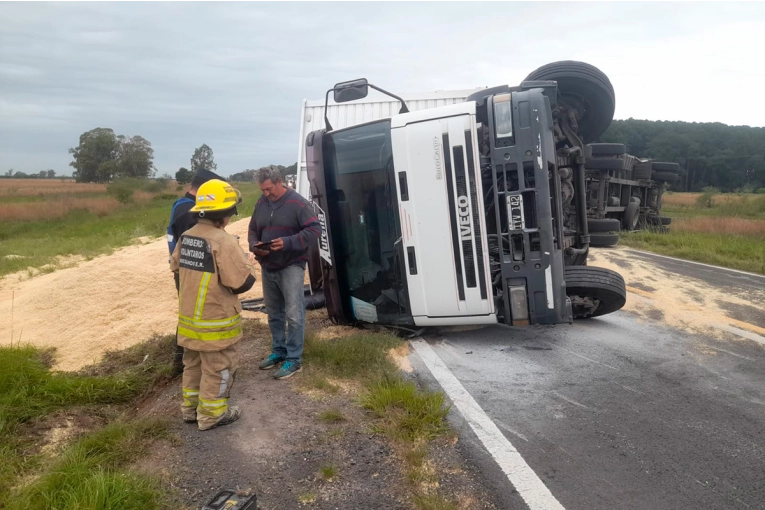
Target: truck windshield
{"x":364,"y":218}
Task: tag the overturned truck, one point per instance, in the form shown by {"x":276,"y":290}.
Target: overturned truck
{"x":465,"y":210}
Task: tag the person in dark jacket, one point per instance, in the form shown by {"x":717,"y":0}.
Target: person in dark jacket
{"x":282,"y":228}
{"x":180,"y":221}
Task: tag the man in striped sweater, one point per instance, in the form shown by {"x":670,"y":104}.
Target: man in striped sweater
{"x":282,"y":227}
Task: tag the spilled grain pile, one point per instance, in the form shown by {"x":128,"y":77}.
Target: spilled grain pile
{"x":110,"y":302}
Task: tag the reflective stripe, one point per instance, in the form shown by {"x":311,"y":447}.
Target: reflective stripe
{"x":170,"y":238}
{"x":224,"y":376}
{"x":213,"y":407}
{"x":208,"y":336}
{"x":190,"y":398}
{"x":201,"y":295}
{"x":222,"y":323}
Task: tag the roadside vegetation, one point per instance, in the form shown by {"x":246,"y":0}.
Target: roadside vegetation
{"x":722,"y":229}
{"x":363,"y":365}
{"x":47,"y":221}
{"x":67,"y":439}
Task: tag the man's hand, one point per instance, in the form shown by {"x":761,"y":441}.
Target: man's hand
{"x":277,"y":245}
{"x":258,"y":252}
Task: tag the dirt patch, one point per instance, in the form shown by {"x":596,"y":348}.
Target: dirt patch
{"x":280,"y":448}
{"x":108,"y":303}
{"x":681,"y":302}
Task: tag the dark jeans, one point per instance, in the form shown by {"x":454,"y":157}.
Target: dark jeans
{"x":284,"y":299}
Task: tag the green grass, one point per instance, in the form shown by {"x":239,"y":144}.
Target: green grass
{"x":405,"y":413}
{"x":331,"y":416}
{"x":432,"y":502}
{"x":90,"y":474}
{"x":328,"y":472}
{"x":28,"y":390}
{"x":361,"y":356}
{"x":735,"y":251}
{"x":88,"y":234}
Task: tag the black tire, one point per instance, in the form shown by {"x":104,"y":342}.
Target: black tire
{"x":604,"y":225}
{"x":642,"y":171}
{"x":660,"y":220}
{"x":604,"y":163}
{"x":603,"y":240}
{"x":631,"y":216}
{"x":665,"y":177}
{"x":608,"y":149}
{"x":583,"y":83}
{"x":666,"y":167}
{"x":595,"y":283}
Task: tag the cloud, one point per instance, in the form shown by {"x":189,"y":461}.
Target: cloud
{"x":233,"y":75}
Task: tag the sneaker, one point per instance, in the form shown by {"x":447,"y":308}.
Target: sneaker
{"x":289,"y":368}
{"x":271,"y":361}
{"x":230,"y":416}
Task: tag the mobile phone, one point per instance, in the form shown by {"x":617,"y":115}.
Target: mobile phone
{"x":264,"y":245}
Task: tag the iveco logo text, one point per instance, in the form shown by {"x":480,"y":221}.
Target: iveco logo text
{"x":466,"y":230}
{"x":324,"y":241}
{"x":437,"y":157}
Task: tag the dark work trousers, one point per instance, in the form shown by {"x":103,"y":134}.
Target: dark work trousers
{"x":178,"y":360}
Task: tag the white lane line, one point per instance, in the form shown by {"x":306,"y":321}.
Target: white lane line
{"x":697,"y":263}
{"x":754,"y":337}
{"x":533,"y":491}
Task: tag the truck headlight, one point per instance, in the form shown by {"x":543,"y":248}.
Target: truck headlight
{"x":503,"y":116}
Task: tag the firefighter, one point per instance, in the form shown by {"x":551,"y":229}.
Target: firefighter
{"x":180,"y":221}
{"x":212,"y":269}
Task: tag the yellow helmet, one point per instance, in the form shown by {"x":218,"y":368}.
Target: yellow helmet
{"x":216,"y":196}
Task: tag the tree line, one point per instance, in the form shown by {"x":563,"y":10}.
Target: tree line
{"x":249,"y":174}
{"x":711,"y":154}
{"x":42,"y":174}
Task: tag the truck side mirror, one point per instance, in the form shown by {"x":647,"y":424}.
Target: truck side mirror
{"x":351,"y":90}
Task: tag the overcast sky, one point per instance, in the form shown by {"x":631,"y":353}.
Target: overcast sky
{"x":233,"y":75}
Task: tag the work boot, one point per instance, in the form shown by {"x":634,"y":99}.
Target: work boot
{"x":230,"y":416}
{"x":289,"y":369}
{"x":271,"y":361}
{"x":189,"y":415}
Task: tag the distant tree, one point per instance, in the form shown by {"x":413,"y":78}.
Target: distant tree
{"x":166,"y":176}
{"x":9,"y":173}
{"x":135,"y":157}
{"x":183,"y":175}
{"x":245,"y":176}
{"x":43,"y":174}
{"x":94,"y":157}
{"x":203,"y":158}
{"x":20,"y":175}
{"x":50,"y":174}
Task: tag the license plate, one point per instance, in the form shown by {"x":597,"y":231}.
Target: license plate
{"x":515,"y":212}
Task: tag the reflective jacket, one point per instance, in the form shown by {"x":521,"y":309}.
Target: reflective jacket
{"x":211,"y":266}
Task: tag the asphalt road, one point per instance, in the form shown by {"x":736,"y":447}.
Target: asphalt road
{"x":620,"y":412}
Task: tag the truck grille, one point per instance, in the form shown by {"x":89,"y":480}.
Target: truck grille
{"x":464,"y":217}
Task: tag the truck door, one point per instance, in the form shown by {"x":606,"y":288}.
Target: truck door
{"x":442,"y":215}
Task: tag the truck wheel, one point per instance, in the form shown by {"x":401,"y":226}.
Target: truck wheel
{"x":665,"y":176}
{"x":608,"y":149}
{"x":642,"y":171}
{"x":603,"y":240}
{"x":586,"y":84}
{"x":666,"y":167}
{"x":604,"y":225}
{"x":604,"y":163}
{"x":631,"y":216}
{"x":660,"y":220}
{"x":594,"y":291}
